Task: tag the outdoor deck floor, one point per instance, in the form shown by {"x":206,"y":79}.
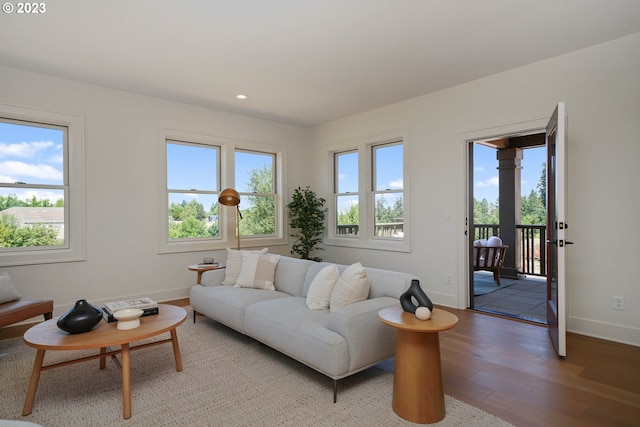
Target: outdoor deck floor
{"x":524,"y":299}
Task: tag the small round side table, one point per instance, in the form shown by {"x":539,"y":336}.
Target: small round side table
{"x":418,"y":394}
{"x":201,"y":268}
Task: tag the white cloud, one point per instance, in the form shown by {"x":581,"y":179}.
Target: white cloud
{"x":398,"y":183}
{"x":479,"y":169}
{"x":23,"y":171}
{"x":24,"y":150}
{"x":494,"y":181}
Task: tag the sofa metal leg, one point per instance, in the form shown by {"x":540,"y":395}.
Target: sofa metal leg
{"x":194,"y":316}
{"x":335,"y":391}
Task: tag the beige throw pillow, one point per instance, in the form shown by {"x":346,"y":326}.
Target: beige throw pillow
{"x":320,"y":289}
{"x":234,"y":264}
{"x":7,"y":291}
{"x":258,"y":271}
{"x":352,"y":286}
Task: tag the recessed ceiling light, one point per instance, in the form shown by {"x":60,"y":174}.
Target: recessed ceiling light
{"x":241,"y":96}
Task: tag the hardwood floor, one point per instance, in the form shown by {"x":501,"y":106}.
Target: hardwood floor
{"x":510,"y":369}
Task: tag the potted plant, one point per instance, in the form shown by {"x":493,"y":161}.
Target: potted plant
{"x":306,"y":215}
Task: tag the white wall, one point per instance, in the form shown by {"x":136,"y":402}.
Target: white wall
{"x":121,"y":196}
{"x":601,"y":88}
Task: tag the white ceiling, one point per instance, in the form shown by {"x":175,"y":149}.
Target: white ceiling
{"x":301,"y":62}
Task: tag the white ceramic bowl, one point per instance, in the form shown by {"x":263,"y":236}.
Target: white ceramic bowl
{"x":129,"y":318}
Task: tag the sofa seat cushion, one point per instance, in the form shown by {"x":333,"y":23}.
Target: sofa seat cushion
{"x":227,"y":304}
{"x":287,"y":325}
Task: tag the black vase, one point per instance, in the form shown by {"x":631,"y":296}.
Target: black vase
{"x":81,"y":318}
{"x":416,"y":292}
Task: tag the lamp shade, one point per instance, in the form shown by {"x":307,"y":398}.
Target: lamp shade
{"x":229,"y":197}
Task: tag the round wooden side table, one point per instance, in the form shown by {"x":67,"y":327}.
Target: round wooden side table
{"x":201,"y":268}
{"x":418,"y":394}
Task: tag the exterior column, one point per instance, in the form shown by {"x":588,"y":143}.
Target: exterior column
{"x":510,"y":200}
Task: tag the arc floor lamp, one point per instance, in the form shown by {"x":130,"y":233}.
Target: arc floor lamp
{"x":230,"y":197}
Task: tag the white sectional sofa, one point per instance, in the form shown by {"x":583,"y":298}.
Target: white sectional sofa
{"x":338,"y":341}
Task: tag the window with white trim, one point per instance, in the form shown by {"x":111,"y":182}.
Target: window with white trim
{"x":192,"y":190}
{"x":194,"y":169}
{"x":369,"y":207}
{"x":346,"y":193}
{"x":388,"y":183}
{"x":41,"y":187}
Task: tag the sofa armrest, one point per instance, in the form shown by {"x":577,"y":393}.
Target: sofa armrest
{"x":370,"y":341}
{"x":213,"y":277}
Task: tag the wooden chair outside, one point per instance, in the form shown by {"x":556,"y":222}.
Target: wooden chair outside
{"x":489,"y":258}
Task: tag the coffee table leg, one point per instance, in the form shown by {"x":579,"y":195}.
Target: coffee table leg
{"x":33,"y":383}
{"x":126,"y":382}
{"x":176,"y":350}
{"x":103,"y":359}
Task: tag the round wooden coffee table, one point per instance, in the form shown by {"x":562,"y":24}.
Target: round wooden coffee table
{"x":418,"y":394}
{"x":47,"y":336}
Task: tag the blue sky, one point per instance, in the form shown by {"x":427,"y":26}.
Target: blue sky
{"x":194,"y":167}
{"x":389,"y":174}
{"x":33,"y":155}
{"x":485,"y":172}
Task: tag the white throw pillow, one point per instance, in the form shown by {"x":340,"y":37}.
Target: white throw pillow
{"x":7,"y":291}
{"x":258,"y":271}
{"x":494,"y":241}
{"x":320,"y":289}
{"x":234,"y":263}
{"x":352,"y":286}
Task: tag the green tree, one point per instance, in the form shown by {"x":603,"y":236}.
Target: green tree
{"x":485,"y":212}
{"x":349,"y":216}
{"x":542,"y":184}
{"x":259,"y":218}
{"x":12,"y":235}
{"x":533,"y":211}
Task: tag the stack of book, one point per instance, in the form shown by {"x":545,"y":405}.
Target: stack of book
{"x":147,"y":305}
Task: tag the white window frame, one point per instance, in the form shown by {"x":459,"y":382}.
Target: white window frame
{"x":74,"y":220}
{"x":365,"y":238}
{"x":226,"y":215}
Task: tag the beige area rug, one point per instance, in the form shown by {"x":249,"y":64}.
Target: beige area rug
{"x":228,"y":380}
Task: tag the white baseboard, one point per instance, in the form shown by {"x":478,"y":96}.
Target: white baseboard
{"x":604,"y":330}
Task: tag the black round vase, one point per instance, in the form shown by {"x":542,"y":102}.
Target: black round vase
{"x":416,"y":292}
{"x":81,"y":318}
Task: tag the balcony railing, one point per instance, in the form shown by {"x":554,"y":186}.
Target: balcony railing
{"x":387,"y":229}
{"x":532,"y":255}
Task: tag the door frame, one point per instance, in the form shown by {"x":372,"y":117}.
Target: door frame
{"x":525,"y":127}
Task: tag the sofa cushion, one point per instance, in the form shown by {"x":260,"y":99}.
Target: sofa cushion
{"x":320,"y":289}
{"x":234,"y":264}
{"x":290,"y":274}
{"x":352,"y":286}
{"x":287,"y":325}
{"x":227,"y":304}
{"x":258,"y":271}
{"x":7,"y":291}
